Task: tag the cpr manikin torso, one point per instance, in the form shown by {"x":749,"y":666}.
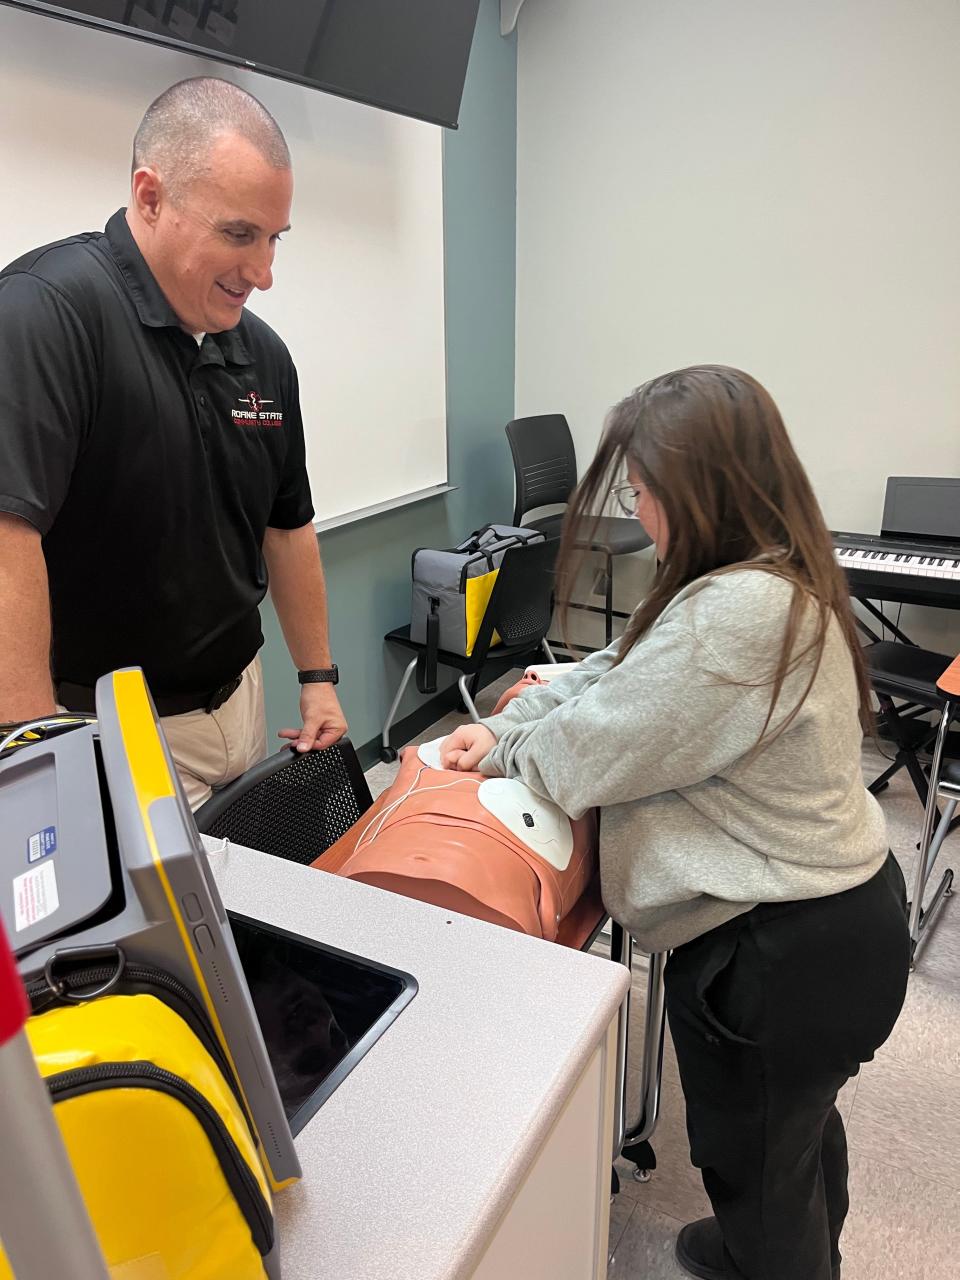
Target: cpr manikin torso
{"x":486,"y":847}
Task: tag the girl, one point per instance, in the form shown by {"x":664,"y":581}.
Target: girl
{"x":721,"y":739}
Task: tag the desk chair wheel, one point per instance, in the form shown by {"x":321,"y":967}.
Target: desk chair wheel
{"x":642,"y":1155}
{"x":388,"y":754}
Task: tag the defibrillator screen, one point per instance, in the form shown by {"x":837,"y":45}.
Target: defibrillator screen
{"x":320,"y":1009}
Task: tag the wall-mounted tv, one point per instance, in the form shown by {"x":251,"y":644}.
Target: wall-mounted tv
{"x":408,"y":56}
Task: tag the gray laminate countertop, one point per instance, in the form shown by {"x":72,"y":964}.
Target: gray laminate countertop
{"x":411,"y":1163}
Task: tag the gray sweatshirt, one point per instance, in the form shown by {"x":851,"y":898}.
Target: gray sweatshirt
{"x":695,"y":829}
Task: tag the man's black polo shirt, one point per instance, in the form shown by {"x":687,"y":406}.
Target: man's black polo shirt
{"x":150,"y":466}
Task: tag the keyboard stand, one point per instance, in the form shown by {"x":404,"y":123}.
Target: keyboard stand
{"x":891,"y":626}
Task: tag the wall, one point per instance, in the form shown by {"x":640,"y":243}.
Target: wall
{"x":762,"y":183}
{"x":368,"y":564}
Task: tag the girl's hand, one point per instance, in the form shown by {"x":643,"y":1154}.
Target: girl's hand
{"x":466,"y":747}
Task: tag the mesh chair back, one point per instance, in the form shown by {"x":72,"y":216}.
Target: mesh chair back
{"x":293,"y":805}
{"x":521,"y":603}
{"x":544,"y":462}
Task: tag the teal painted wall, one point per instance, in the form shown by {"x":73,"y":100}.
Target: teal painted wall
{"x":368,"y":564}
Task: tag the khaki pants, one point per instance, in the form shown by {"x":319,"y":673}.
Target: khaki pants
{"x":211,"y":750}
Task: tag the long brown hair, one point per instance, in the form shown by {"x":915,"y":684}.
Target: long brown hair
{"x":710,"y":445}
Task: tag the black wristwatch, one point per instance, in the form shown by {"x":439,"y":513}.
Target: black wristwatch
{"x":323,"y":675}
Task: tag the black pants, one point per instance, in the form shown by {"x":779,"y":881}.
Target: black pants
{"x":770,"y":1015}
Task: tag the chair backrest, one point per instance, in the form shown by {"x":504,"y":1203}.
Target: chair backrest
{"x":544,"y":462}
{"x":521,"y":602}
{"x":293,"y":805}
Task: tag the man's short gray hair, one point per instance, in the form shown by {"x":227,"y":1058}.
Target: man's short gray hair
{"x":180,"y":127}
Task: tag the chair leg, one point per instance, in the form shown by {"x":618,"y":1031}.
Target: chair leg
{"x":468,"y":701}
{"x":930,"y":842}
{"x":923,"y":918}
{"x":919,"y":779}
{"x":385,"y":747}
{"x":608,"y":600}
{"x":545,"y":646}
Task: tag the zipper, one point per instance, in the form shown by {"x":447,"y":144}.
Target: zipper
{"x":142,"y":979}
{"x":144,"y":1075}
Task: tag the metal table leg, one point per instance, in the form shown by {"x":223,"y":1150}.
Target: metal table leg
{"x":633,"y":1141}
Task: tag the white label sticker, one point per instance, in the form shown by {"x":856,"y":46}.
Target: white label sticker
{"x":35,"y":895}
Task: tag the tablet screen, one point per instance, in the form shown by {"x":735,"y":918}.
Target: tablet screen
{"x":320,"y":1009}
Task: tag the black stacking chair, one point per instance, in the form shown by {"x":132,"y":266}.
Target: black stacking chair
{"x":545,"y":472}
{"x":910,"y":682}
{"x":520,"y":610}
{"x":293,"y":805}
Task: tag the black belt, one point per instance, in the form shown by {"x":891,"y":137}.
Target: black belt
{"x":80,"y":697}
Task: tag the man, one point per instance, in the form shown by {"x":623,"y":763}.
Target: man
{"x":152,"y":473}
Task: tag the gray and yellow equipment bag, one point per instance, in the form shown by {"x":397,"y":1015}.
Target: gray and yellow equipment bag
{"x":451,"y":589}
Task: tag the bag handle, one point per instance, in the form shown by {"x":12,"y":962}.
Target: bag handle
{"x":476,"y":539}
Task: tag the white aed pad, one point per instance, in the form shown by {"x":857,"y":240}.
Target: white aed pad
{"x":429,"y":753}
{"x":540,"y":824}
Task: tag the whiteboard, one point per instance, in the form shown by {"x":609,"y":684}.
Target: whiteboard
{"x":358,"y":281}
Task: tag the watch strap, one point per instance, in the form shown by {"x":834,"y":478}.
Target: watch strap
{"x":320,"y":675}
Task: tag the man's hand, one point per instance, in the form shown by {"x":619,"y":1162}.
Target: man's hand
{"x":466,"y":747}
{"x":323,"y":721}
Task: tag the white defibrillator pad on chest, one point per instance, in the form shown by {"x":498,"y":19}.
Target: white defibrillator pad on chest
{"x":540,"y":824}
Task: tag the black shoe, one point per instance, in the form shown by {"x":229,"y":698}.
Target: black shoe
{"x":700,"y":1249}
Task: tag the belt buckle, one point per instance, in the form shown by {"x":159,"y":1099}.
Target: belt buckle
{"x":221,"y":695}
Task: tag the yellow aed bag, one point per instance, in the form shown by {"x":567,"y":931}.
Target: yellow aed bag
{"x":157,"y":1133}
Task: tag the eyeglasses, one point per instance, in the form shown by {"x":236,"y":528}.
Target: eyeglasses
{"x":626,"y":495}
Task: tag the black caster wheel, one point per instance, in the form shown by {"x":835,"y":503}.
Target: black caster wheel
{"x":642,"y":1155}
{"x":388,"y":754}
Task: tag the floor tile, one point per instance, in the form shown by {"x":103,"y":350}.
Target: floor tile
{"x":846,"y":1098}
{"x":907,"y":1116}
{"x":928,"y":1029}
{"x":621,"y":1211}
{"x":901,"y":1226}
{"x":646,"y":1249}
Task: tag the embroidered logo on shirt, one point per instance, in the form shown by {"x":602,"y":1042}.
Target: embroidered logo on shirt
{"x":255,"y":415}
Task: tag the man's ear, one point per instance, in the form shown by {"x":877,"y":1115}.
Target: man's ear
{"x":147,"y":194}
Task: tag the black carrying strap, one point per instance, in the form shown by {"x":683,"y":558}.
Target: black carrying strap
{"x":474,"y":541}
{"x":486,"y":542}
{"x":481,"y":538}
{"x":427,"y":658}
